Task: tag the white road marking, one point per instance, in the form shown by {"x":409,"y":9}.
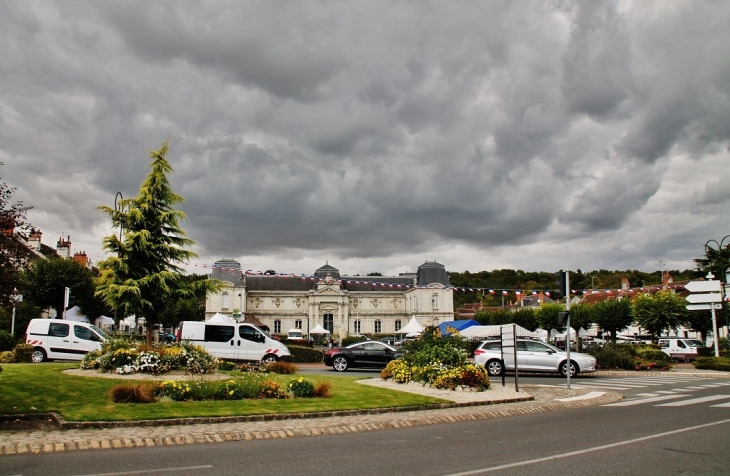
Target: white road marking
{"x":151,"y":471}
{"x":588,"y":450}
{"x":721,"y":405}
{"x":628,"y":403}
{"x":694,"y":401}
{"x":582,"y":397}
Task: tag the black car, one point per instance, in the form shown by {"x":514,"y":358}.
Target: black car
{"x":369,"y":353}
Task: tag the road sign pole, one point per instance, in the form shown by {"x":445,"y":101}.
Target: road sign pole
{"x":567,"y":338}
{"x":714,"y":331}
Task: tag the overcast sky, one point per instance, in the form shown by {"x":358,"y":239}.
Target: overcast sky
{"x":377,"y":135}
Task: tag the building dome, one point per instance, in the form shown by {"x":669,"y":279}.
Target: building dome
{"x":432,"y":272}
{"x":327,"y":270}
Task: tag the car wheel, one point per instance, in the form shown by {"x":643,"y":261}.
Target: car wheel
{"x":269,"y":358}
{"x":38,"y":355}
{"x":573,"y":369}
{"x":495,"y":368}
{"x":340,"y":363}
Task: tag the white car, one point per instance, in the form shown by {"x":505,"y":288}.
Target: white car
{"x":532,"y":356}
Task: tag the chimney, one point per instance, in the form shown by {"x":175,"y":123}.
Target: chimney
{"x":34,"y":239}
{"x":63,"y":247}
{"x":625,"y":284}
{"x":82,"y":259}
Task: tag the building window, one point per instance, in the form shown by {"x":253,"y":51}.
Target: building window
{"x":435,"y":302}
{"x":225,"y":302}
{"x":397,"y":325}
{"x":298,"y":324}
{"x":378,"y":327}
{"x":277,"y":326}
{"x":356,"y":329}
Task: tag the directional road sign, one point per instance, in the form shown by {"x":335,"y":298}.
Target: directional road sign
{"x":707,"y":297}
{"x":702,"y":286}
{"x":703,"y":307}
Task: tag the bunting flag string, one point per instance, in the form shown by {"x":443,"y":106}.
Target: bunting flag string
{"x":518,"y":292}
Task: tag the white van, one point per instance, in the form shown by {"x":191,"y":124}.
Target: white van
{"x":234,"y":341}
{"x":679,"y":348}
{"x":60,"y":339}
{"x":294,"y":334}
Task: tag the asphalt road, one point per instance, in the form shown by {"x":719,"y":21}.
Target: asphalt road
{"x":671,"y":428}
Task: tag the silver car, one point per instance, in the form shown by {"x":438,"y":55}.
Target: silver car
{"x":532,"y":356}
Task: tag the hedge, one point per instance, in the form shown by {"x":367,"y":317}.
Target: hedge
{"x":712,"y":363}
{"x":304,"y":355}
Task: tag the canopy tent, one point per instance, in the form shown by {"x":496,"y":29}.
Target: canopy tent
{"x":456,"y":327}
{"x":584,"y":333}
{"x":542,"y":334}
{"x":494,"y":331}
{"x":412,"y":328}
{"x":74,"y":314}
{"x":104,"y":322}
{"x":555,"y":335}
{"x":219,"y":318}
{"x":318,"y":329}
{"x":251,"y":319}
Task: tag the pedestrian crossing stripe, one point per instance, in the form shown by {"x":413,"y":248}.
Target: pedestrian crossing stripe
{"x":721,"y":405}
{"x":694,"y":401}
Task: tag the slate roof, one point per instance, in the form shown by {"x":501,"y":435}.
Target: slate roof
{"x":432,"y":272}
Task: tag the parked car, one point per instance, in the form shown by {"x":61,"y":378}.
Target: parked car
{"x":532,"y":356}
{"x":369,"y":353}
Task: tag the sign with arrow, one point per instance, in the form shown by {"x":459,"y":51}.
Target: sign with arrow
{"x":707,"y":297}
{"x":703,"y":286}
{"x":703,"y":307}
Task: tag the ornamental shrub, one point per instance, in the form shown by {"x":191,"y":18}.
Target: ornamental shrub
{"x":281,"y":367}
{"x":23,"y":353}
{"x":301,"y":388}
{"x":176,"y":391}
{"x":398,"y":370}
{"x":230,"y":390}
{"x":7,"y":357}
{"x":323,"y":390}
{"x":7,"y":341}
{"x":712,"y":363}
{"x":133,"y":393}
{"x":91,"y":360}
{"x":615,"y":356}
{"x":469,"y":375}
{"x":226,"y":366}
{"x":654,"y":355}
{"x":271,"y":389}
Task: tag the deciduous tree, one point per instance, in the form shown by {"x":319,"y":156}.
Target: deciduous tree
{"x":659,"y":312}
{"x":13,"y":253}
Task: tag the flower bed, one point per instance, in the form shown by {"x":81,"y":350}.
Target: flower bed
{"x":439,"y":363}
{"x":125,"y":357}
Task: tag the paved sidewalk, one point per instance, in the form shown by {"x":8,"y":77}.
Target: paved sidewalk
{"x":47,"y":441}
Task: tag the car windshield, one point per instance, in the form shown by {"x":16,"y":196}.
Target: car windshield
{"x":99,"y":331}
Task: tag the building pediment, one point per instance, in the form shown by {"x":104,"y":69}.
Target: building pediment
{"x":329,"y":291}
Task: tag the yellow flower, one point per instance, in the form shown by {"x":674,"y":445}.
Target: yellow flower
{"x":301,"y":379}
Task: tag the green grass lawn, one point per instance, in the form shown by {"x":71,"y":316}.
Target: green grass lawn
{"x":41,"y":388}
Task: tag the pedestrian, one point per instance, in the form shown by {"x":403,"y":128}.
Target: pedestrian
{"x":331,"y":342}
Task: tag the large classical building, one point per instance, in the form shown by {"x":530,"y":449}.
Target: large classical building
{"x":343,"y":305}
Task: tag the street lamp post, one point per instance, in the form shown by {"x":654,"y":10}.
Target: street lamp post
{"x":15,"y":298}
{"x":118,"y":198}
{"x":721,"y":265}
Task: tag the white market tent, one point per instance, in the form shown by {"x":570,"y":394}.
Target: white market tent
{"x":220,"y":319}
{"x":73,"y":314}
{"x":493,"y":331}
{"x":412,"y":328}
{"x":318,"y":329}
{"x":103,"y":322}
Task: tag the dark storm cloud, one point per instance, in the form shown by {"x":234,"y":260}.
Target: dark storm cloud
{"x":376,"y":133}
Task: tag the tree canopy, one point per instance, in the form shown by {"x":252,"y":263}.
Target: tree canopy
{"x":658,"y":312}
{"x":13,"y":253}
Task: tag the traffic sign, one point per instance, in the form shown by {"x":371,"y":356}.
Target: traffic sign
{"x":699,"y":307}
{"x":707,"y":297}
{"x":702,"y":286}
